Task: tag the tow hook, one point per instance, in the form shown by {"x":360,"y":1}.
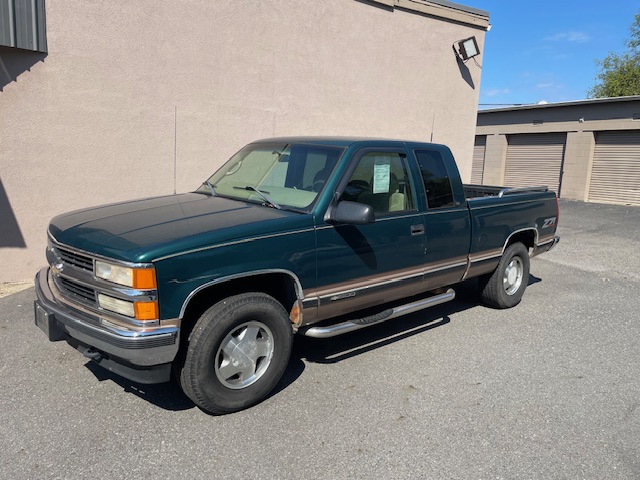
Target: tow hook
{"x":93,"y":354}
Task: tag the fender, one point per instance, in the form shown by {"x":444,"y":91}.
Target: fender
{"x":535,"y":238}
{"x":296,"y":281}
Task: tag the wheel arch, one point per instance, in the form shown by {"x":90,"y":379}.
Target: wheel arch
{"x":283,"y":285}
{"x":527,"y":236}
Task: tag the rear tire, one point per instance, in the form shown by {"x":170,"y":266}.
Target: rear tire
{"x":238,"y":351}
{"x":506,"y":285}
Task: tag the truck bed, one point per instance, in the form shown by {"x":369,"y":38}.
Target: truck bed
{"x":479,"y":191}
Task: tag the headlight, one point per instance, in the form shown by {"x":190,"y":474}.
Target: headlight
{"x":116,"y":305}
{"x":138,"y":278}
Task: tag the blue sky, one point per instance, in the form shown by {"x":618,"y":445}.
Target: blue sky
{"x":546,"y":50}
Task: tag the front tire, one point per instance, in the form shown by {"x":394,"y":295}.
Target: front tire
{"x":238,"y":351}
{"x":506,"y":285}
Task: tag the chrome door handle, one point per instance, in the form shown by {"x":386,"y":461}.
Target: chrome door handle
{"x":417,"y":230}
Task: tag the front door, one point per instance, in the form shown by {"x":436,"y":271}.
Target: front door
{"x":364,"y":265}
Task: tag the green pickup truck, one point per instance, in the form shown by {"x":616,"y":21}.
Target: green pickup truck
{"x":307,"y":235}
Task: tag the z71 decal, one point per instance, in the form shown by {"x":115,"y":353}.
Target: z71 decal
{"x":549,"y":222}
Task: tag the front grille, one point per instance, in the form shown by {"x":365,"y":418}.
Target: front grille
{"x":77,"y":291}
{"x":76,"y":259}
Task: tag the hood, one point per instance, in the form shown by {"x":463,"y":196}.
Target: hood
{"x":141,"y":230}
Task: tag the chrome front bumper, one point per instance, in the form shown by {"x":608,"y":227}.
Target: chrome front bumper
{"x":147,"y":353}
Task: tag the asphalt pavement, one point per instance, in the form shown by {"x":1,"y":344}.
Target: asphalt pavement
{"x":547,"y":390}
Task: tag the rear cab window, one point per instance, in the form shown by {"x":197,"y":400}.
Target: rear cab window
{"x":435,"y":179}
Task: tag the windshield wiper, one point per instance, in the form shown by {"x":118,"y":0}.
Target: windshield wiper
{"x":262,"y":194}
{"x":211,"y":188}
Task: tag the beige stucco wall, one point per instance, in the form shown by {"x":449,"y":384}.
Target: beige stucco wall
{"x":93,"y":122}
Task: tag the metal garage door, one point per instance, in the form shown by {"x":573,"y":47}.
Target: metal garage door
{"x":615,"y":175}
{"x":477,"y":167}
{"x":534,"y":160}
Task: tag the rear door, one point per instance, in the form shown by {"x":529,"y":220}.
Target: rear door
{"x":364,"y":265}
{"x":446,"y":220}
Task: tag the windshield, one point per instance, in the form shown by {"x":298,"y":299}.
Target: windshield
{"x":278,"y":175}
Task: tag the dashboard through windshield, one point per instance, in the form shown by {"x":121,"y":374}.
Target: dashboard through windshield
{"x":278,"y":175}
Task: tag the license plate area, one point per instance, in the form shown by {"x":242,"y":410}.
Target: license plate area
{"x":47,"y":323}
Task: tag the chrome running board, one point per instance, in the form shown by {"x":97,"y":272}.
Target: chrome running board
{"x":357,"y":324}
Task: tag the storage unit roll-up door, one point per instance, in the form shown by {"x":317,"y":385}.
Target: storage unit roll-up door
{"x":477,"y":167}
{"x":615,"y":175}
{"x":534,"y":160}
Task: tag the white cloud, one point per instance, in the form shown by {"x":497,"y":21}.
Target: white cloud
{"x":570,"y":36}
{"x":494,"y":92}
{"x":549,"y":86}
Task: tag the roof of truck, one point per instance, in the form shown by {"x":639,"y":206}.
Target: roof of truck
{"x":336,"y":141}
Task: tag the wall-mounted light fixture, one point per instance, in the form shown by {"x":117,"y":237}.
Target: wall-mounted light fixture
{"x":468,"y":48}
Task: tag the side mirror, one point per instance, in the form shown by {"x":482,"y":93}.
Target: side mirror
{"x":352,"y":213}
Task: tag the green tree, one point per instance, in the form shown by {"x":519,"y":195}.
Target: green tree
{"x":620,"y":74}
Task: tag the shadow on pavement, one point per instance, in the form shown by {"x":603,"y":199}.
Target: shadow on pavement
{"x":343,"y":347}
{"x":169,"y":396}
{"x":533,"y":280}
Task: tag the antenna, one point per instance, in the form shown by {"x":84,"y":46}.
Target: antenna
{"x":433,"y":123}
{"x":175,"y":147}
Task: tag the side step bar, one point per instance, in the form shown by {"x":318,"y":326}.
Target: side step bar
{"x":357,"y":324}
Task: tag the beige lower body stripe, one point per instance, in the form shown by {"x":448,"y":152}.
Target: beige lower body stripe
{"x":344,"y":289}
{"x":546,"y":239}
{"x":367,"y":282}
{"x":485,"y":255}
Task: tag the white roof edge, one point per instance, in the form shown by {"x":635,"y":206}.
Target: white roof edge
{"x":561,"y":104}
{"x":459,"y":6}
{"x":443,"y":9}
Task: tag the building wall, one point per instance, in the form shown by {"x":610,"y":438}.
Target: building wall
{"x":495,"y":160}
{"x":125,"y":85}
{"x":578,"y":156}
{"x":581,"y":121}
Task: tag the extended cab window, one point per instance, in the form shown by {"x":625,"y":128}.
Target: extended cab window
{"x":381,"y":180}
{"x":435,"y":178}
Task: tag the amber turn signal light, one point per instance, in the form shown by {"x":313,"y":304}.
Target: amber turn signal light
{"x":144,"y":279}
{"x":146,"y":310}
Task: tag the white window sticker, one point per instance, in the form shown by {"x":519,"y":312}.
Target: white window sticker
{"x":381,"y":175}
